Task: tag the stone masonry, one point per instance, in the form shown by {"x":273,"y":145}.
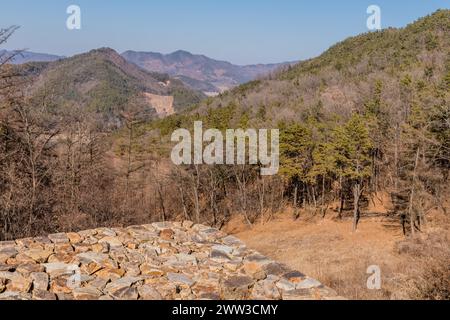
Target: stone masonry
{"x":149,"y":262}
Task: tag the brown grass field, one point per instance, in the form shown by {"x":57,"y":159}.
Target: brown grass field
{"x":329,"y":251}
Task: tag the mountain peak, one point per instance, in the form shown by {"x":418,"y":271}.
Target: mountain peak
{"x":105,"y":51}
{"x":181,"y":52}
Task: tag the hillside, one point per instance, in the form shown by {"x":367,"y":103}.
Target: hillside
{"x":388,"y":73}
{"x":101,"y":82}
{"x":369,"y":114}
{"x":198,"y":71}
{"x":364,"y":163}
{"x":345,"y":77}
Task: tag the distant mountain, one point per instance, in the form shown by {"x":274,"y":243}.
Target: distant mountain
{"x":103,"y":83}
{"x":198,"y":71}
{"x":28,"y":56}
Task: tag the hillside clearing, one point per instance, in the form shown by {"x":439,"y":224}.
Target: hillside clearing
{"x":329,"y":251}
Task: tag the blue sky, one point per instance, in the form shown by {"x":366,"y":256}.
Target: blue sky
{"x":240,"y":31}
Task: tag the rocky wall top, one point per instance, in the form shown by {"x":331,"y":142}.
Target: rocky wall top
{"x":156,"y":261}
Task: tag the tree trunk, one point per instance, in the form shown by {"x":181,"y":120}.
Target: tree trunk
{"x":323,"y":190}
{"x":197,"y":194}
{"x":161,"y":202}
{"x":295,"y":201}
{"x":183,"y":200}
{"x":396,"y":151}
{"x":356,"y":198}
{"x":196,"y":204}
{"x":130,"y":149}
{"x":303,"y":198}
{"x":242,"y":186}
{"x":323,"y":197}
{"x":313,"y":189}
{"x":261,"y":200}
{"x":272,"y":208}
{"x":341,"y":198}
{"x":412,"y":217}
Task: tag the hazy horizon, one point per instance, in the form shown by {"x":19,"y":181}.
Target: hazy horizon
{"x":239,"y":32}
{"x":140,"y":51}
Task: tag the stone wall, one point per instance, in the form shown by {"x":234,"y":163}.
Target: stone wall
{"x":157,"y":261}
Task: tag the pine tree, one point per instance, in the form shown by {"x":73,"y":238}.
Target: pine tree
{"x":324,"y":160}
{"x":296,"y":156}
{"x":353,"y":161}
{"x":323,"y":157}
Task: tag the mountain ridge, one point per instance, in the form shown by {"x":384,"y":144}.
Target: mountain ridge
{"x":102,"y":82}
{"x":200,"y":71}
{"x":197,"y":71}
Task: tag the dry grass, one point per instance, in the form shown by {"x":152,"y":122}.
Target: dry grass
{"x":428,"y":266}
{"x":328,"y":251}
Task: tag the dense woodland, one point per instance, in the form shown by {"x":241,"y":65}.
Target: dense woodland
{"x":370,"y":115}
